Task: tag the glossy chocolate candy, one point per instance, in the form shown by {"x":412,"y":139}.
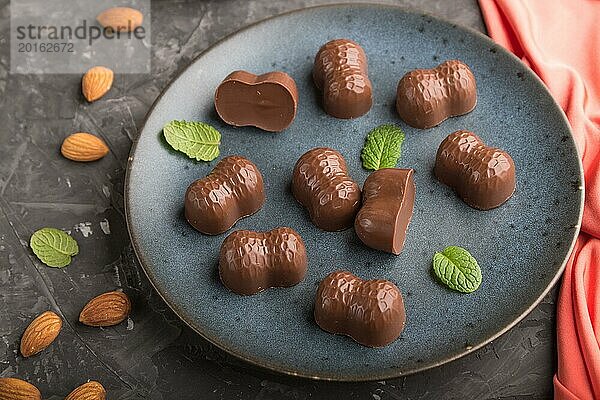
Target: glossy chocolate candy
{"x":483,"y":176}
{"x":369,"y":311}
{"x":427,"y":97}
{"x":250,"y":262}
{"x":321,"y":183}
{"x":234,"y":189}
{"x":387,"y":208}
{"x":267,"y":101}
{"x":341,"y":73}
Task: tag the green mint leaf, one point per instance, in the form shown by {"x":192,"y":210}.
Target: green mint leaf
{"x":196,"y":139}
{"x":53,"y":247}
{"x":382,"y":147}
{"x":457,"y":269}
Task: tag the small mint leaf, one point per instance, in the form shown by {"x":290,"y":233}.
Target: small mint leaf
{"x":382,"y":148}
{"x":53,"y":247}
{"x":457,"y":269}
{"x":196,"y":139}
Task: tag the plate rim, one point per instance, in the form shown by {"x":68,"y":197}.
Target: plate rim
{"x":393,"y":373}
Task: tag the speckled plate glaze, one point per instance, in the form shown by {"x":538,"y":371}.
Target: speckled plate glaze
{"x":521,"y":246}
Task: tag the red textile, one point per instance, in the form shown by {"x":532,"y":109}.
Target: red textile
{"x":560,"y":41}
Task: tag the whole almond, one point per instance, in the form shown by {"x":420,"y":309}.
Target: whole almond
{"x":106,"y":310}
{"x":40,"y":333}
{"x":88,"y":391}
{"x":83,"y":147}
{"x":120,"y":19}
{"x":17,"y":389}
{"x":96,"y":82}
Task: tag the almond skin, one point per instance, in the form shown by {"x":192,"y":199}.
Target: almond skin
{"x":83,"y":147}
{"x":106,"y":310}
{"x":96,"y":82}
{"x":120,"y":19}
{"x":40,"y":333}
{"x":17,"y":389}
{"x":88,"y":391}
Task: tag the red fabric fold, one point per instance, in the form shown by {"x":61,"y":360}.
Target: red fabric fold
{"x":560,"y":41}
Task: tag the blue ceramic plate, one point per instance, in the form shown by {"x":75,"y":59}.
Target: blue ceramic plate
{"x":521,"y":246}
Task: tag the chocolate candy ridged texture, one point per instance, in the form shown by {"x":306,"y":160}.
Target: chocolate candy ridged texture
{"x":268,"y":101}
{"x":387,"y":208}
{"x":483,"y":176}
{"x":341,"y":73}
{"x":427,"y":97}
{"x":250,"y":262}
{"x":234,"y":189}
{"x":321,"y":183}
{"x":369,"y":311}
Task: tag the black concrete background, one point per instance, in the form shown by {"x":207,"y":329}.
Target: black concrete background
{"x":154,"y":355}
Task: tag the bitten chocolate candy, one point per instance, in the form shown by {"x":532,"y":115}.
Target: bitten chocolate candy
{"x":427,"y":97}
{"x":267,"y":101}
{"x":234,"y":189}
{"x":370,"y":312}
{"x":388,"y":200}
{"x":341,"y":73}
{"x":250,"y":262}
{"x":484,"y":177}
{"x":321,"y":183}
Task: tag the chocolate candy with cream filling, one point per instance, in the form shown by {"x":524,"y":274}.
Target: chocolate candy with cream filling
{"x":250,"y":262}
{"x":341,"y":73}
{"x":427,"y":97}
{"x":387,"y":207}
{"x":483,"y":176}
{"x":321,"y":183}
{"x":234,"y":189}
{"x":267,"y":101}
{"x":369,"y":311}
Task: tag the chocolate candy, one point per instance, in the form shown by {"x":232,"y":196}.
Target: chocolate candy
{"x":234,"y":189}
{"x":321,"y":183}
{"x":341,"y":73}
{"x":427,"y":97}
{"x":250,"y":262}
{"x":388,"y":199}
{"x":370,"y":312}
{"x":484,"y":177}
{"x":267,"y":101}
